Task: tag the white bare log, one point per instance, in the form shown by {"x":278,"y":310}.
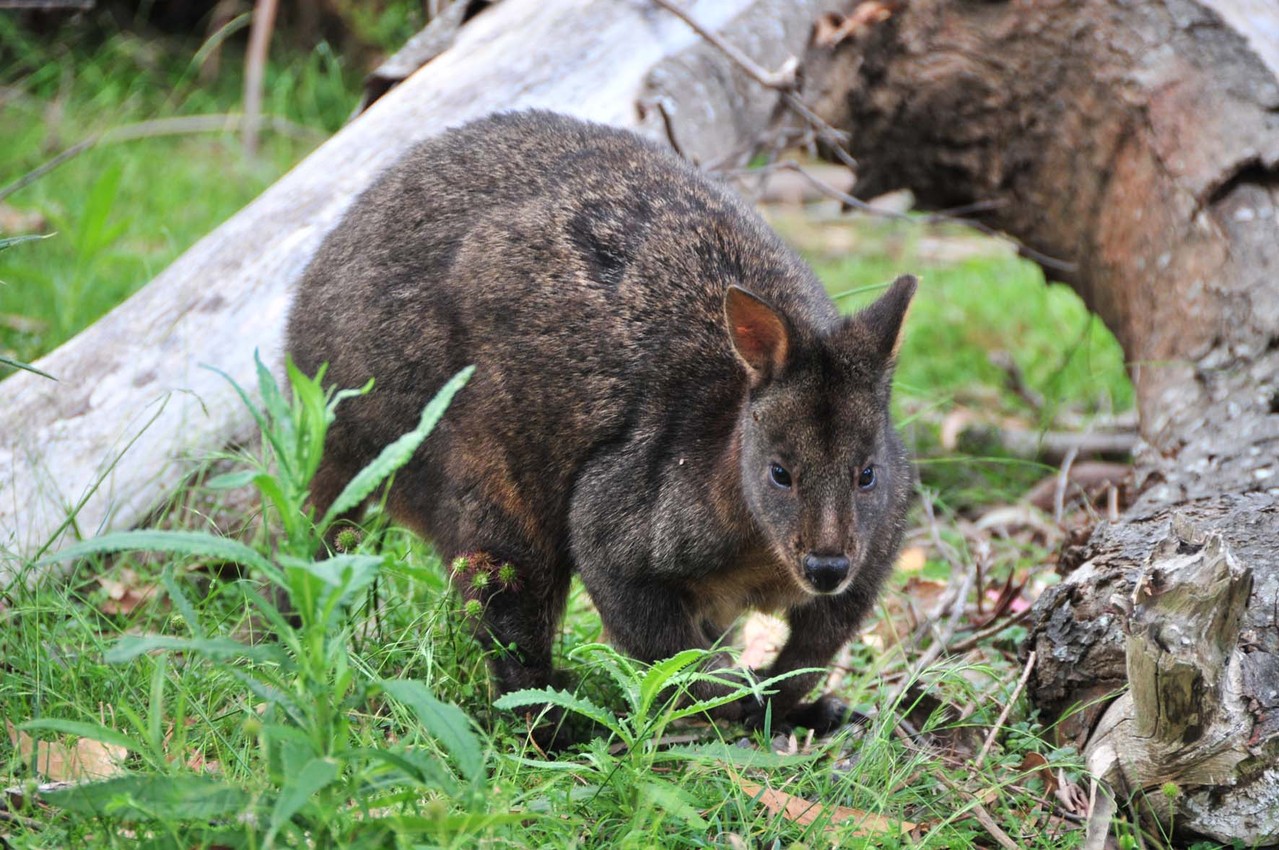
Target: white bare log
{"x":134,"y":406}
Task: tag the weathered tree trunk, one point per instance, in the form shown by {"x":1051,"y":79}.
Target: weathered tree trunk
{"x":134,"y":406}
{"x":1134,"y":148}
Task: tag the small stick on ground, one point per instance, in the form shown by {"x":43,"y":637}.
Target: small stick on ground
{"x":979,"y":811}
{"x":983,"y":817}
{"x":1003,"y":715}
{"x":1063,"y":481}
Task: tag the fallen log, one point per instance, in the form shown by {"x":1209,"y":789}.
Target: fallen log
{"x":134,"y":406}
{"x":1133,"y":149}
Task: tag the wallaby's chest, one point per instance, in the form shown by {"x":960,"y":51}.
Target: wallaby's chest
{"x":754,"y":581}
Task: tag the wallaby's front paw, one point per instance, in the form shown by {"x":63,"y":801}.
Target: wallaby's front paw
{"x":824,"y":715}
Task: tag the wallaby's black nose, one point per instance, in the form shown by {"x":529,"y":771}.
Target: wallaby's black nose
{"x":825,"y":572}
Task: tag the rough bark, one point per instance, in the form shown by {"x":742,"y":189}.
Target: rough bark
{"x":1133,"y":147}
{"x":134,"y":406}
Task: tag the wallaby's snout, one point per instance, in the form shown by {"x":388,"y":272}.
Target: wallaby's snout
{"x":825,"y":572}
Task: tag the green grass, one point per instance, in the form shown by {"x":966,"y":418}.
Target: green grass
{"x":122,"y":211}
{"x":341,"y":731}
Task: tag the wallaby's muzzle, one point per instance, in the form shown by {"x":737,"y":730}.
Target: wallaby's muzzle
{"x":825,"y":572}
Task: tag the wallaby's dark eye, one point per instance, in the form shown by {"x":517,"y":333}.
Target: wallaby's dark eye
{"x":866,"y":480}
{"x":779,"y":476}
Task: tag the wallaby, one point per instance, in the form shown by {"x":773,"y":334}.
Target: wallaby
{"x":665,"y":399}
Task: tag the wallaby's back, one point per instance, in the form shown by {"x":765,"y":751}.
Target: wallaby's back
{"x":579,"y":268}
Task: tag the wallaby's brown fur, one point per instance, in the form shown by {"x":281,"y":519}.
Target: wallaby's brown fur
{"x":665,"y":398}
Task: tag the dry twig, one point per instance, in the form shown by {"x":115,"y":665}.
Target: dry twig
{"x":1003,"y":715}
{"x":783,"y":81}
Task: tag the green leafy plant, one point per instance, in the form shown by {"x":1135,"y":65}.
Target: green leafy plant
{"x":306,"y":681}
{"x":655,"y":697}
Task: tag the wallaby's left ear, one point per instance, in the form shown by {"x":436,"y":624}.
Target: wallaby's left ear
{"x":885,"y":316}
{"x":759,"y":333}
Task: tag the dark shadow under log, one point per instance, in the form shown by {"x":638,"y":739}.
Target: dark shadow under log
{"x":1133,"y":147}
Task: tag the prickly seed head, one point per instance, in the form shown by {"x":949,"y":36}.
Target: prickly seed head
{"x":347,"y":540}
{"x":507,"y":576}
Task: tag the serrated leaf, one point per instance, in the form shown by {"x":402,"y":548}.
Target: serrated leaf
{"x":720,"y":752}
{"x":179,"y":798}
{"x":671,"y":798}
{"x":619,"y":667}
{"x":660,"y":674}
{"x":444,"y":721}
{"x":191,"y":543}
{"x":397,"y":453}
{"x":569,"y":702}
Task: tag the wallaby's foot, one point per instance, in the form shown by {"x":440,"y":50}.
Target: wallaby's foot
{"x":824,"y":715}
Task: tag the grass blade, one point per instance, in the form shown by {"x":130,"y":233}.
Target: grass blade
{"x":18,"y":364}
{"x":92,"y":731}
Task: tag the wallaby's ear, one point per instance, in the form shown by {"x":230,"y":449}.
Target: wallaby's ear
{"x":885,"y":316}
{"x":759,"y":333}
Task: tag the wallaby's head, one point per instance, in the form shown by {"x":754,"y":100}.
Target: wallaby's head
{"x":824,"y":474}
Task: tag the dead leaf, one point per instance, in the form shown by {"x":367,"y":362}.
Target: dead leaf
{"x":81,"y":760}
{"x":1072,"y":795}
{"x":833,"y":28}
{"x":904,"y":609}
{"x":953,"y":425}
{"x":1036,"y":764}
{"x":125,"y":592}
{"x":803,"y":812}
{"x":16,"y":222}
{"x":912,"y":559}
